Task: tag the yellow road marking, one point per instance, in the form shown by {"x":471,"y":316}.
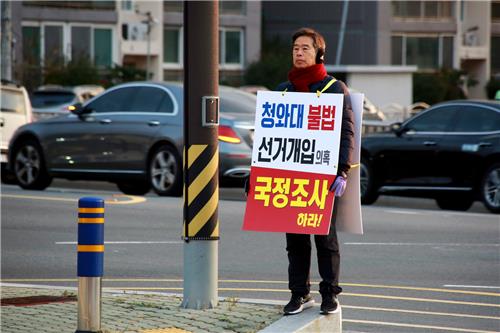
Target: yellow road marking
{"x":114,"y":201}
{"x":430,"y":300}
{"x":422,"y":289}
{"x":440,"y":328}
{"x":477,"y":293}
{"x":461,"y":315}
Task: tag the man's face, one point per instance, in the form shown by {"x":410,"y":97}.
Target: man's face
{"x":304,"y":53}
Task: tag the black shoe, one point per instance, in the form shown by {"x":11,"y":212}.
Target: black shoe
{"x":330,"y":304}
{"x":297,"y":304}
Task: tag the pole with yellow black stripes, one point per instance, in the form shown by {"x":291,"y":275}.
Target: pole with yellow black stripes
{"x":201,"y":154}
{"x":90,"y":263}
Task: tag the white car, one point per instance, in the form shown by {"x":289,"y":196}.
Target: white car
{"x":53,"y":100}
{"x":15,"y":112}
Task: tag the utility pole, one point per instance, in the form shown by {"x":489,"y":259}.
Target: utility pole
{"x":6,"y":41}
{"x":201,"y":154}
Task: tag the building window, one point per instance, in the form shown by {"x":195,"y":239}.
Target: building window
{"x":102,"y":47}
{"x":225,"y":7}
{"x":231,"y":47}
{"x":126,"y":4}
{"x":173,"y":6}
{"x":232,"y":7}
{"x":81,"y":41}
{"x":172,"y":46}
{"x":422,"y":10}
{"x":495,"y":11}
{"x":427,"y":52}
{"x":96,"y":4}
{"x":31,"y":45}
{"x":495,"y":54}
{"x":44,"y":44}
{"x":422,"y":51}
{"x":53,"y":43}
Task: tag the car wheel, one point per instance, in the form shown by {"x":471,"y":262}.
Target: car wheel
{"x":165,"y":172}
{"x":134,"y":188}
{"x":29,"y":166}
{"x":455,"y":202}
{"x":490,"y":188}
{"x":368,"y":190}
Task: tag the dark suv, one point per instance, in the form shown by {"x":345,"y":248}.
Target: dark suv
{"x":449,"y":152}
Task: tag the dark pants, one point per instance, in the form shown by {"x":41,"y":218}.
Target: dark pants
{"x":299,"y":259}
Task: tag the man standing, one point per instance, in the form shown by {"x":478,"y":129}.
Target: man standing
{"x":308,"y":74}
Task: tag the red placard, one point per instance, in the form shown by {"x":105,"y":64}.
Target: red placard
{"x":289,"y":201}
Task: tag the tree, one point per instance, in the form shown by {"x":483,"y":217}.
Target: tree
{"x":273,"y":66}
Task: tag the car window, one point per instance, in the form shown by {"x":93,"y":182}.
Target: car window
{"x":117,"y":100}
{"x":167,"y":105}
{"x":148,"y":99}
{"x":477,"y":119}
{"x":43,"y":99}
{"x":435,"y":120}
{"x":237,"y":101}
{"x":12,"y":101}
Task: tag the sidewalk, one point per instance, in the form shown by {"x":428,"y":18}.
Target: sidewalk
{"x":133,"y":312}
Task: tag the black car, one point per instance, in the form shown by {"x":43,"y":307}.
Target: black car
{"x":131,"y":135}
{"x":449,"y":152}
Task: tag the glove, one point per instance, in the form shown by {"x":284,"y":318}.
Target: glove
{"x":338,"y":186}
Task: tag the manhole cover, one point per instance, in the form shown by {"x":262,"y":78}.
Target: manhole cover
{"x":36,"y":300}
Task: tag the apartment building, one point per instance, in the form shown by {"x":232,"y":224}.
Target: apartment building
{"x":458,"y":34}
{"x":144,"y":34}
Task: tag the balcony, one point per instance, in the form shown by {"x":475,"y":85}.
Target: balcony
{"x":140,"y":48}
{"x":471,"y":48}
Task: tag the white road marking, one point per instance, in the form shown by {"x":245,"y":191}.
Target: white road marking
{"x":466,"y":286}
{"x":407,"y":212}
{"x":423,"y":244}
{"x":127,"y":242}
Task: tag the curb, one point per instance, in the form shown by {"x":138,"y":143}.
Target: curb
{"x":308,"y":321}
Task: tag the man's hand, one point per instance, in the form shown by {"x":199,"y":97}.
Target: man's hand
{"x":338,"y":186}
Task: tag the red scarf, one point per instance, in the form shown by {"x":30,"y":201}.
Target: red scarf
{"x":301,"y":78}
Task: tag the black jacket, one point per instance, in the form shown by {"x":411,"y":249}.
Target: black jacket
{"x":347,"y":132}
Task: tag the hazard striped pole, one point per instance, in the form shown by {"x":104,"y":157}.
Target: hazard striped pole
{"x":201,"y":154}
{"x":90,"y":264}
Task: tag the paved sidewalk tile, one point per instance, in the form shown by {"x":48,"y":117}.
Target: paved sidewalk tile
{"x":134,"y":313}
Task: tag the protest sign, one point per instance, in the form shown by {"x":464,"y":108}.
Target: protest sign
{"x":294,"y":161}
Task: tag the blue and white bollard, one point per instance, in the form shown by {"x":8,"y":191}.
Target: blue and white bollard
{"x":90,"y":263}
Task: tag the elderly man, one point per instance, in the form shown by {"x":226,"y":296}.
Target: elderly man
{"x":308,"y":74}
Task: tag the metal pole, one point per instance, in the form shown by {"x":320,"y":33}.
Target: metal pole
{"x":90,"y":263}
{"x":6,"y":41}
{"x":340,"y":45}
{"x":201,"y":188}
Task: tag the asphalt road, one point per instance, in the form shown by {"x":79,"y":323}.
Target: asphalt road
{"x":416,"y":268}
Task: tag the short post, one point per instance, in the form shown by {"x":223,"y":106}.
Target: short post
{"x":90,"y":263}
